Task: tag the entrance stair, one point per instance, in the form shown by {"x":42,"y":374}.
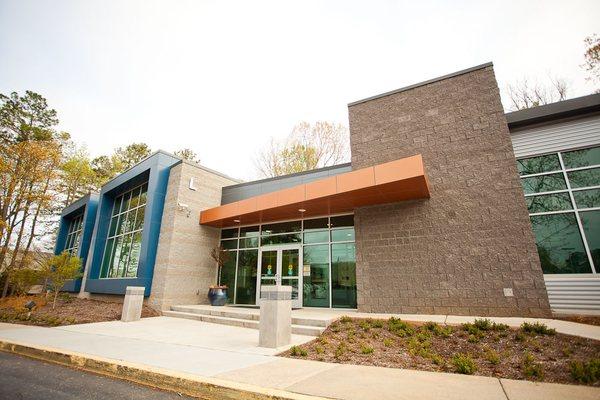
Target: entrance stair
{"x":245,"y":318}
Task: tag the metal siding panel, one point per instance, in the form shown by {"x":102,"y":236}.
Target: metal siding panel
{"x":563,"y":136}
{"x":574,"y":294}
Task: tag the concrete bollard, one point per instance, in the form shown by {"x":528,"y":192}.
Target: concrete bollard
{"x":275,"y":326}
{"x":132,"y":305}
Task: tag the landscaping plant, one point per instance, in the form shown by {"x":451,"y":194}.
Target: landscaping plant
{"x":60,"y":269}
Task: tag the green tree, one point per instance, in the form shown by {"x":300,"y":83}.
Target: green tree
{"x":77,"y":177}
{"x":188,"y":154}
{"x":132,"y":154}
{"x":105,"y":168}
{"x":60,"y":269}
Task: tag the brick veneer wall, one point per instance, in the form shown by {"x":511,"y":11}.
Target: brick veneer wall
{"x":455,"y":252}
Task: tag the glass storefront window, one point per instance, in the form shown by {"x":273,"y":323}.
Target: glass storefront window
{"x":315,"y":236}
{"x":343,"y":275}
{"x":536,"y":165}
{"x":280,"y":239}
{"x":316,"y":275}
{"x":281,"y":227}
{"x":544,"y":183}
{"x":245,"y":291}
{"x":227,"y":274}
{"x":342,"y":235}
{"x":559,"y":244}
{"x":123,"y":245}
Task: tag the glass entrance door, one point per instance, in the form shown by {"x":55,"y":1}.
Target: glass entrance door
{"x":283,"y":262}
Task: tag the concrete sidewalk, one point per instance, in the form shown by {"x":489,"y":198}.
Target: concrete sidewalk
{"x":220,"y":357}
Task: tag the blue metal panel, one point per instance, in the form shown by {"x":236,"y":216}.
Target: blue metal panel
{"x":86,"y":205}
{"x":155,"y":170}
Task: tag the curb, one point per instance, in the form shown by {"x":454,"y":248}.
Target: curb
{"x":188,"y":384}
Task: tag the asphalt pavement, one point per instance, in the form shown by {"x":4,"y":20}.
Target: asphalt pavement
{"x":23,"y":378}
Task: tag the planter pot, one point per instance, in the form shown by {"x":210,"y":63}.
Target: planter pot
{"x":217,"y":296}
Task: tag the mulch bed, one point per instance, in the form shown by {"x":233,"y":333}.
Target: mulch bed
{"x":69,"y":310}
{"x":493,"y":350}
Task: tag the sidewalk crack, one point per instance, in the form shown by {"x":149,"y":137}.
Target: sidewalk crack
{"x":503,"y":389}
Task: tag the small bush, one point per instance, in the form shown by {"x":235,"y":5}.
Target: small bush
{"x":531,"y":369}
{"x":319,"y":349}
{"x":399,"y":327}
{"x":345,"y":319}
{"x":365,"y":325}
{"x":340,"y":350}
{"x":586,"y":372}
{"x":298,"y":351}
{"x":471,"y":329}
{"x":492,"y":356}
{"x":388,"y":342}
{"x":464,"y":364}
{"x":437,"y":359}
{"x":537,"y":328}
{"x":323,"y":340}
{"x":483,"y":324}
{"x":366,"y":349}
{"x":377,"y":323}
{"x":520,"y":337}
{"x":473,"y":339}
{"x":567,"y":351}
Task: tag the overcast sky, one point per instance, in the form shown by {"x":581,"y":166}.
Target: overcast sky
{"x":223,"y":77}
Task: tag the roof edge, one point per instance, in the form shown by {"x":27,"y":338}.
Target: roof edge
{"x":427,"y":82}
{"x":553,"y":111}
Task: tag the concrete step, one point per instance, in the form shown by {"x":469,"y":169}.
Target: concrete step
{"x":247,"y":314}
{"x":240,"y":322}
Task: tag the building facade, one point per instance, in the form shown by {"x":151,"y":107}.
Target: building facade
{"x":448,"y":206}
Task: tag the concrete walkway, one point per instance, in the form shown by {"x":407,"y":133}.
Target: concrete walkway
{"x":228,"y":356}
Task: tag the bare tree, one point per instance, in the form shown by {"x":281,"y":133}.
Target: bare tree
{"x":524,"y":94}
{"x":308,"y":146}
{"x":592,"y":58}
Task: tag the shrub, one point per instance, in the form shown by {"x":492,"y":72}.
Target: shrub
{"x":437,"y":330}
{"x":323,"y":340}
{"x":345,"y":319}
{"x":377,"y":323}
{"x":340,"y":350}
{"x":23,"y":278}
{"x":437,"y":359}
{"x":388,"y":342}
{"x":586,"y":372}
{"x":365,"y":325}
{"x":492,"y":356}
{"x":520,"y":337}
{"x":298,"y":351}
{"x":567,"y":351}
{"x":473,"y":339}
{"x":366,"y":349}
{"x":464,"y":364}
{"x":399,"y":327}
{"x":531,"y":369}
{"x":537,"y":328}
{"x":319,"y":350}
{"x":471,"y":329}
{"x":483,"y":324}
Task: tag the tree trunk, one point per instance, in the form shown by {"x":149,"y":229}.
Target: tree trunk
{"x":5,"y":289}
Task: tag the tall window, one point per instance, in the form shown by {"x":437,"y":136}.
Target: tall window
{"x":74,"y":234}
{"x":122,"y":251}
{"x":562,"y":191}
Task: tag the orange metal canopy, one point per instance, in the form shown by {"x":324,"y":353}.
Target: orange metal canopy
{"x":391,"y":182}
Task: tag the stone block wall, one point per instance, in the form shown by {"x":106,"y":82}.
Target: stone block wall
{"x":456,"y":252}
{"x":184,"y":269}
